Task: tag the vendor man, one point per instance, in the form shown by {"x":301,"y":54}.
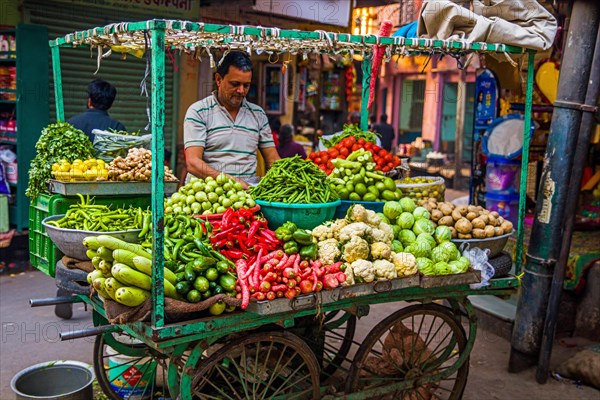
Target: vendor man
{"x":222,"y":132}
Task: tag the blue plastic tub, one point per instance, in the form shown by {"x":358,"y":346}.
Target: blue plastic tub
{"x":502,"y":176}
{"x":376,"y":206}
{"x":507,"y":205}
{"x":305,"y":216}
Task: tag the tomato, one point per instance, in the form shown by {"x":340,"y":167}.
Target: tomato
{"x":324,"y":158}
{"x":330,"y":165}
{"x":388,"y":157}
{"x":312,"y":155}
{"x":376,"y":148}
{"x":344,"y":152}
{"x":333,"y":153}
{"x":368,"y":145}
{"x":386,"y":168}
{"x":382,"y":153}
{"x":361,"y":141}
{"x":391,"y":165}
{"x":323,"y":167}
{"x":397,"y":160}
{"x":355,"y":147}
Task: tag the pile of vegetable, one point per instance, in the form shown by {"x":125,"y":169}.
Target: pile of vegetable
{"x":294,"y":180}
{"x":87,"y":216}
{"x":59,"y":141}
{"x":296,"y":241}
{"x":136,"y":166}
{"x":422,"y":188}
{"x":242,"y":234}
{"x":384,"y":160}
{"x":467,"y":222}
{"x":123,"y":271}
{"x":89,"y":170}
{"x":350,"y":130}
{"x":363,"y":242}
{"x":112,"y":144}
{"x":208,"y":196}
{"x":428,"y":247}
{"x":276,"y":275}
{"x":355,"y":179}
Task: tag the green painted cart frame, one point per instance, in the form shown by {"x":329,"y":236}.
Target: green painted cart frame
{"x":195,"y":354}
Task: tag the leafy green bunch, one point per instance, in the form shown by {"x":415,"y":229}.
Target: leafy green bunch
{"x":350,"y":130}
{"x":59,"y":141}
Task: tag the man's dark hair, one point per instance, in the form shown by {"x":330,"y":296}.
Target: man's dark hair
{"x":373,"y":118}
{"x":102,"y":94}
{"x":383,"y":118}
{"x":237,"y":59}
{"x":286,"y":134}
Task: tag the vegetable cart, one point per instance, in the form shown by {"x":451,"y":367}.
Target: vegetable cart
{"x":300,"y":348}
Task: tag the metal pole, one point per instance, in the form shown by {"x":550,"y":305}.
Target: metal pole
{"x":58,"y":92}
{"x":547,"y":231}
{"x":460,"y":127}
{"x":366,"y":82}
{"x":585,"y":133}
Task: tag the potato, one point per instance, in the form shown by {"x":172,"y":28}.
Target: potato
{"x":478,"y":223}
{"x":433,"y":204}
{"x":500,"y":220}
{"x":436,"y":215}
{"x":498,"y":231}
{"x":453,"y":232}
{"x":464,"y":226}
{"x":427,"y":206}
{"x":447,"y":221}
{"x":484,"y":211}
{"x":489,"y":231}
{"x":484,"y":218}
{"x":471,"y":216}
{"x":462,"y":210}
{"x":492,"y":220}
{"x":456,"y":215}
{"x":480,"y":209}
{"x":478,"y":233}
{"x":445,"y":208}
{"x":465,"y":236}
{"x":472,"y":208}
{"x":495,"y":214}
{"x":506,"y":226}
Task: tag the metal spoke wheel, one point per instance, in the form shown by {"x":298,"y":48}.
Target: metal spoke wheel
{"x":126,"y":368}
{"x":266,"y":365}
{"x":329,"y":338}
{"x":419,"y":353}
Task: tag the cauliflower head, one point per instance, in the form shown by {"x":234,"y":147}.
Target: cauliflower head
{"x":363,"y":270}
{"x":349,"y":275}
{"x":359,"y":229}
{"x":323,"y":231}
{"x":328,"y":251}
{"x":405,"y":263}
{"x":372,"y":218}
{"x":380,"y":250}
{"x":337,"y":226}
{"x":356,"y":249}
{"x":388,"y":231}
{"x":384,"y":269}
{"x":357,"y":213}
{"x":378,"y":235}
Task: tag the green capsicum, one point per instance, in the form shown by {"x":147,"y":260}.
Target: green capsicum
{"x":302,"y":237}
{"x":290,"y":226}
{"x":283,"y":233}
{"x":309,"y":252}
{"x":290,"y":247}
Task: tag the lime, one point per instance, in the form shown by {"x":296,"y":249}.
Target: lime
{"x":380,"y":186}
{"x":201,"y":196}
{"x":193,"y":296}
{"x":219,"y":191}
{"x":201,"y":284}
{"x":226,"y":203}
{"x":211,"y":274}
{"x":218,"y":308}
{"x":190,"y":199}
{"x":343,"y":193}
{"x":389,"y":184}
{"x":222,"y":179}
{"x":373,"y":189}
{"x":220,"y":210}
{"x":360,"y":189}
{"x":206,"y":205}
{"x":354,"y":196}
{"x":213,"y":197}
{"x":358,"y":178}
{"x":350,"y":187}
{"x":388,"y":195}
{"x":369,"y":197}
{"x":223,"y":267}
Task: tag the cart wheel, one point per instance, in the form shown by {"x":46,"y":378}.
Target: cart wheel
{"x":64,"y":311}
{"x":266,"y":365}
{"x":126,"y":368}
{"x":330,"y":339}
{"x":421,"y":348}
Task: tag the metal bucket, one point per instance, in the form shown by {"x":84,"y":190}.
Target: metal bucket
{"x":54,"y":380}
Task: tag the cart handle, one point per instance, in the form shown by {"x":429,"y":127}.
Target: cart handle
{"x":51,"y":301}
{"x":86,"y":332}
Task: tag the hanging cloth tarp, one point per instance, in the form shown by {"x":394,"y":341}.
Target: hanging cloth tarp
{"x":524,"y":23}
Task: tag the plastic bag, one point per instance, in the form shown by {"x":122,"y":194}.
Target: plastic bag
{"x":110,"y":145}
{"x":479,"y":261}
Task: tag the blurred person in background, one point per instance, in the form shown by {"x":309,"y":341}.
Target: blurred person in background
{"x":385,"y":131}
{"x":287,"y":146}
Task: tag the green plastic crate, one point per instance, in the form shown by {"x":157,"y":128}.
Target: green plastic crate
{"x":305,"y":216}
{"x":43,"y":254}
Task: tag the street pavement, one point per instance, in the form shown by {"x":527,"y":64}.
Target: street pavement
{"x":30,"y":336}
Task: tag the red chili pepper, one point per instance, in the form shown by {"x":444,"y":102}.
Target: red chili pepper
{"x":254,"y":226}
{"x":220,"y":243}
{"x":257,"y":267}
{"x":233,"y":254}
{"x":227,"y":216}
{"x":269,"y":235}
{"x":224,"y":233}
{"x":315,"y":280}
{"x":278,"y":288}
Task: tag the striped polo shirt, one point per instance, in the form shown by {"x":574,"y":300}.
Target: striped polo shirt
{"x":229,"y":146}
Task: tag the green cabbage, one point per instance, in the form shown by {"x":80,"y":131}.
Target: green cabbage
{"x":439,"y":254}
{"x":441,"y":268}
{"x":451,"y":249}
{"x":428,"y":238}
{"x":408,"y":204}
{"x":423,"y":226}
{"x":419,"y":249}
{"x":425,"y":266}
{"x":464,"y":261}
{"x":405,"y":220}
{"x":397,"y":246}
{"x":392,"y":209}
{"x":396,"y":229}
{"x":442,"y":234}
{"x":383,"y":218}
{"x":421,"y":213}
{"x":456,"y":267}
{"x":407,"y":237}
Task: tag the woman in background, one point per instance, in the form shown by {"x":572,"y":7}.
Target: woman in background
{"x":287,"y":147}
